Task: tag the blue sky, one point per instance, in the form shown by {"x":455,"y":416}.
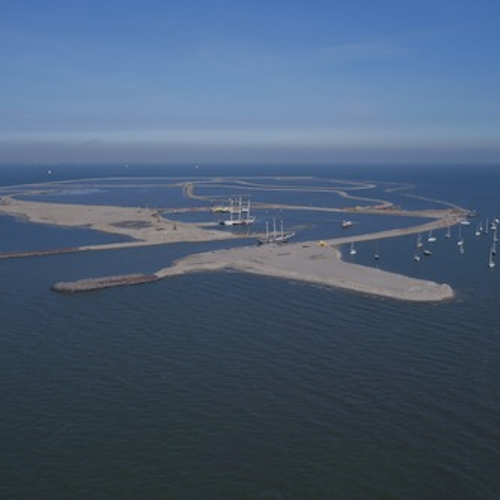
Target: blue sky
{"x":263,"y":81}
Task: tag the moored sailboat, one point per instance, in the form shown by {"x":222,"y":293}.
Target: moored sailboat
{"x":491,"y":262}
{"x":275,"y":236}
{"x":460,"y":241}
{"x":419,"y":243}
{"x":239,"y":215}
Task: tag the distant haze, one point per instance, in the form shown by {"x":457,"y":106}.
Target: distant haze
{"x":270,"y":81}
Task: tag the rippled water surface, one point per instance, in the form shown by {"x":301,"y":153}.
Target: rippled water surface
{"x":231,"y":386}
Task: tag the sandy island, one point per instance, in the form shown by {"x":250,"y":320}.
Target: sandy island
{"x":307,"y":262}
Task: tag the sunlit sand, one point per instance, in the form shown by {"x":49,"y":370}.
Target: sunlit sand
{"x":305,"y":261}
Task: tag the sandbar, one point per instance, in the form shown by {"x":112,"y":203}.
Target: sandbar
{"x":144,"y":226}
{"x":312,"y":263}
{"x":306,"y":261}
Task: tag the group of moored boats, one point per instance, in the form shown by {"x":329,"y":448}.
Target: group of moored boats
{"x":480,"y":230}
{"x":239,"y":215}
{"x":425,"y":249}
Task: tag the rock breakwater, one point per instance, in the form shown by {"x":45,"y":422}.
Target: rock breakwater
{"x":90,"y":284}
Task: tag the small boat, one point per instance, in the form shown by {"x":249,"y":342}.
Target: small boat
{"x":352,"y":251}
{"x":448,"y":232}
{"x":346,"y":223}
{"x":416,"y":257}
{"x":460,"y":241}
{"x":431,"y":238}
{"x":495,"y":236}
{"x":491,"y":262}
{"x":427,"y":252}
{"x":419,"y":241}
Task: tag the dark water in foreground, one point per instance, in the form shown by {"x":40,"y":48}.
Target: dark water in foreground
{"x":230,"y":386}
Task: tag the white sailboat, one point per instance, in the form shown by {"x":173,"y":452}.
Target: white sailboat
{"x":419,"y":241}
{"x":491,"y":262}
{"x":352,"y":251}
{"x":448,"y":232}
{"x":460,"y":241}
{"x":431,"y":238}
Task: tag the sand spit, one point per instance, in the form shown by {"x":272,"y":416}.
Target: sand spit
{"x":147,"y":226}
{"x":306,"y":262}
{"x":446,"y":221}
{"x":312,"y":263}
{"x":144,"y":226}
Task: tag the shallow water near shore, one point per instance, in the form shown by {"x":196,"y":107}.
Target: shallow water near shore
{"x":227,"y":385}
